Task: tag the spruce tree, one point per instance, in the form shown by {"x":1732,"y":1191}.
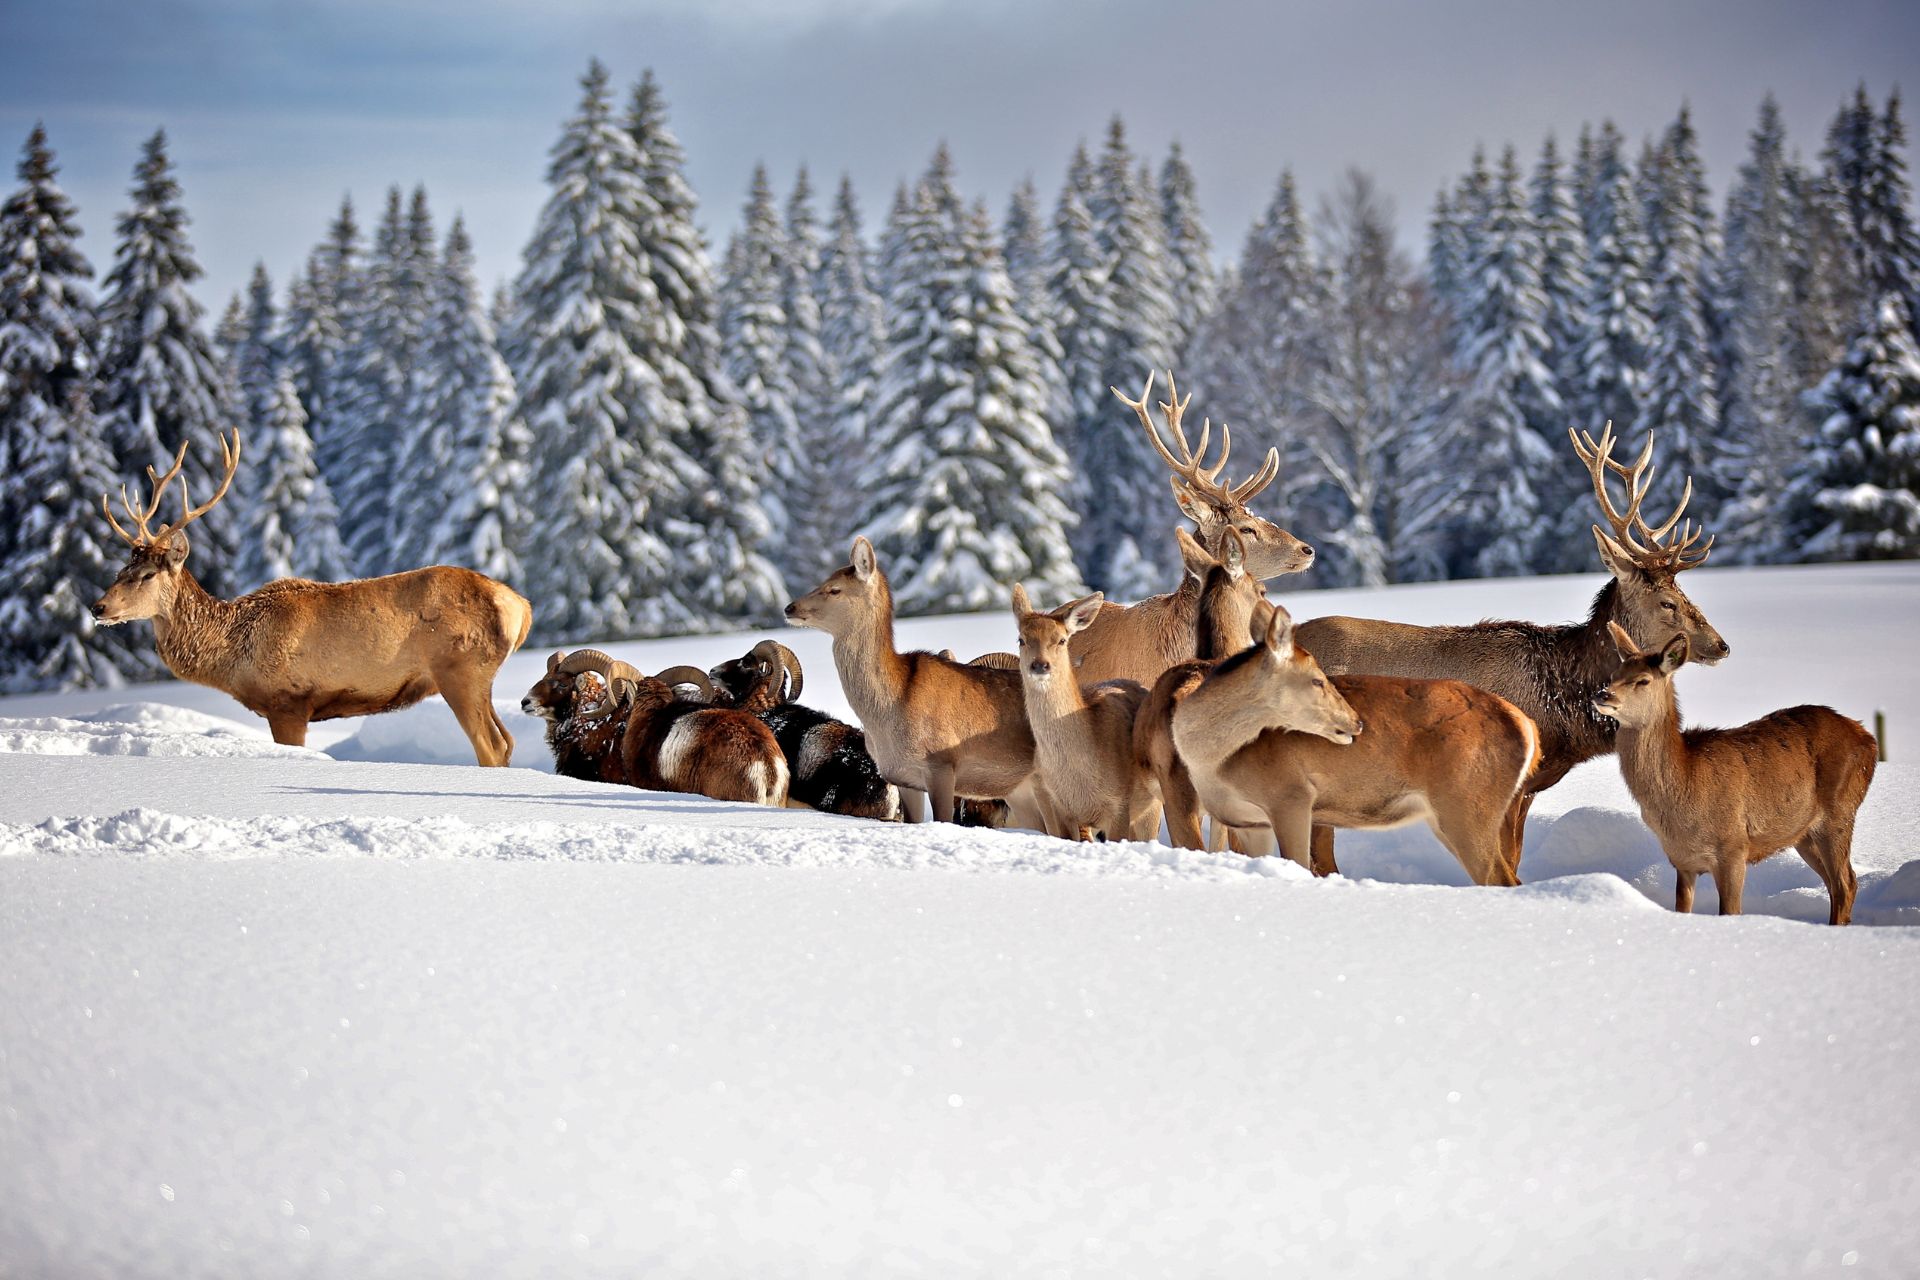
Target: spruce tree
{"x":1078,"y":298}
{"x":966,"y":482}
{"x":852,"y":334}
{"x":254,"y":360}
{"x":1190,"y":272}
{"x":292,"y":526}
{"x":462,"y":460}
{"x":163,"y":386}
{"x":1563,"y":265}
{"x":753,"y":334}
{"x":601,"y":476}
{"x":1618,"y":317}
{"x":1023,"y":237}
{"x":318,"y":301}
{"x":1859,"y":496}
{"x":807,"y":544}
{"x":59,"y":550}
{"x":713,"y":517}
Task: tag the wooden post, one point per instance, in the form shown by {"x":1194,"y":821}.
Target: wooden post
{"x":1880,"y":733}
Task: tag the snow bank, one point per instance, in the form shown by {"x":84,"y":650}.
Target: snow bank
{"x":140,"y":729}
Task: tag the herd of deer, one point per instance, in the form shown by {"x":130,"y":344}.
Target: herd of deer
{"x":1205,"y":708}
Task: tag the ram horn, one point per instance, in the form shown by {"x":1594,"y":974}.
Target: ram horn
{"x":595,"y":660}
{"x":774,"y":651}
{"x":997,"y":661}
{"x":611,"y":700}
{"x":674,"y":676}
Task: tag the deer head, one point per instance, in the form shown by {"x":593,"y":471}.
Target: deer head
{"x":1286,"y":680}
{"x":146,"y":587}
{"x":1044,"y":636}
{"x":1217,"y":505}
{"x":1645,"y":559}
{"x":1641,"y":691}
{"x":851,"y":597}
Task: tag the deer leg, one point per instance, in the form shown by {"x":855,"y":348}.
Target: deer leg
{"x":913,"y":804}
{"x":1513,"y":833}
{"x":1323,"y":863}
{"x":1730,"y":878}
{"x":1255,"y":842}
{"x":473,"y":708}
{"x":1293,"y":832}
{"x":1476,"y":844}
{"x":1683,"y":891}
{"x":940,"y":790}
{"x":289,"y":728}
{"x":1826,"y":850}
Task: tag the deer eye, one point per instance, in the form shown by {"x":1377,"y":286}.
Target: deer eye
{"x":1643,"y":682}
{"x":833,"y":591}
{"x":1319,"y":683}
{"x":1669,"y":606}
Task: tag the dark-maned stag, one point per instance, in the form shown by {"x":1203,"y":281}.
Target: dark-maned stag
{"x":1549,"y":672}
{"x":297,"y":651}
{"x":1139,"y":641}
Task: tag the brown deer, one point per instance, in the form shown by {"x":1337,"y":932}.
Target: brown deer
{"x":1230,"y":601}
{"x":1273,"y":745}
{"x":1546,"y":670}
{"x":933,"y":724}
{"x":1082,"y":736}
{"x":1139,"y":641}
{"x":297,"y":651}
{"x":1722,"y":799}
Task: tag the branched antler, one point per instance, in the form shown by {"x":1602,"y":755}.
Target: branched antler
{"x":1189,"y":466}
{"x":141,"y":517}
{"x":1651,"y":547}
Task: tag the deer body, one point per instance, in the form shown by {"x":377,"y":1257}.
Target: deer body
{"x":931,"y":723}
{"x":1271,"y":743}
{"x":297,"y":651}
{"x":1082,"y":735}
{"x":1719,"y":800}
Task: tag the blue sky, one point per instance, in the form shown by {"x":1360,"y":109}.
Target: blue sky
{"x":275,"y":110}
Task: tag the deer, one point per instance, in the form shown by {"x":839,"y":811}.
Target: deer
{"x":942,"y":727}
{"x":1139,"y":641}
{"x":1230,"y":602}
{"x":1720,"y":800}
{"x":828,"y":765}
{"x":1082,"y":736}
{"x":296,"y":651}
{"x":575,"y":698}
{"x":674,"y":743}
{"x":1276,"y":748}
{"x":1546,"y":671}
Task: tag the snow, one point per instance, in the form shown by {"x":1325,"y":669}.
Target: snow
{"x":371,"y":1011}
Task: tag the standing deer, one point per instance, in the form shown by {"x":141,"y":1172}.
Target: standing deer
{"x":297,"y":651}
{"x":1546,"y":671}
{"x":1271,"y":743}
{"x":1139,"y":641}
{"x":1082,"y":736}
{"x":1721,"y":799}
{"x":932,"y":723}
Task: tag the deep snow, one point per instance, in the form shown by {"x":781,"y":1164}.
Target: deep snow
{"x":271,"y":1011}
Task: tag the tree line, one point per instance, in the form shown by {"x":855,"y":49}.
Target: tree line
{"x":645,"y":445}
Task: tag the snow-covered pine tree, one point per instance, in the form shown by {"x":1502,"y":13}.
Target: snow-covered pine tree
{"x":254,"y":360}
{"x":59,"y":551}
{"x":460,"y":505}
{"x":808,"y":543}
{"x":605,"y":479}
{"x":162,"y":384}
{"x":964,"y":496}
{"x":1191,"y":276}
{"x":359,"y":449}
{"x":1859,"y":496}
{"x":292,"y":525}
{"x":852,"y":333}
{"x":1124,"y":548}
{"x":753,"y":336}
{"x":318,"y":301}
{"x":1511,"y":404}
{"x":717,"y":526}
{"x":231,"y":329}
{"x":1563,"y":262}
{"x":1023,"y":238}
{"x":1618,"y":317}
{"x":1680,"y":400}
{"x":1864,"y":183}
{"x":1078,"y":298}
{"x":1446,"y":259}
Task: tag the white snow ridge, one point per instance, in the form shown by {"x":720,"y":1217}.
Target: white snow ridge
{"x":368,"y":1013}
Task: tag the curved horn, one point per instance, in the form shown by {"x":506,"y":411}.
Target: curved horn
{"x":607,"y":704}
{"x":596,"y":660}
{"x":997,"y":661}
{"x":774,"y":651}
{"x":688,"y":675}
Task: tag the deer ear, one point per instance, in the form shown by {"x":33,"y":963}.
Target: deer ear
{"x":1622,"y":641}
{"x":1183,"y":498}
{"x":1082,"y":612}
{"x":1233,"y":553}
{"x":1192,"y":555}
{"x":863,"y":562}
{"x":1279,"y":634}
{"x":1618,"y":560}
{"x":1022,"y":602}
{"x":176,"y":549}
{"x":1674,"y":656}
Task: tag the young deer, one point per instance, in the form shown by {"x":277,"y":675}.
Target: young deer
{"x":1539,"y":668}
{"x":932,"y":723}
{"x":1139,"y":641}
{"x":1230,"y":600}
{"x":1082,"y":737}
{"x":1721,"y":799}
{"x":1272,"y":743}
{"x":297,"y":651}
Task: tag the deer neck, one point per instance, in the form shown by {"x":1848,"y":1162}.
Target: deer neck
{"x":1233,"y":706}
{"x":195,"y":633}
{"x":873,"y":675}
{"x":1057,"y":702}
{"x":1653,"y":756}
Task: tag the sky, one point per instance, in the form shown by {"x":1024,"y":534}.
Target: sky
{"x":276,"y":110}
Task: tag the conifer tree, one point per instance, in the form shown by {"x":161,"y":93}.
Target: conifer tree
{"x":1024,"y":235}
{"x":852,"y":335}
{"x":808,"y":543}
{"x":1563,"y":267}
{"x":292,"y":528}
{"x":1084,"y":322}
{"x":318,"y":301}
{"x":1190,"y":272}
{"x":462,"y":458}
{"x":1618,"y":321}
{"x":59,"y":550}
{"x":1859,"y":497}
{"x":966,"y":483}
{"x":163,"y":386}
{"x":754,"y":329}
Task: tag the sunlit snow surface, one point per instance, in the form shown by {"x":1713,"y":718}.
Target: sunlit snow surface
{"x":273,"y":1011}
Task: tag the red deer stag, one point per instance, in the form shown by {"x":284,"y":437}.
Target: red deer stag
{"x":1273,"y":745}
{"x":1547,"y":671}
{"x":297,"y":651}
{"x":1139,"y":641}
{"x":1721,"y":799}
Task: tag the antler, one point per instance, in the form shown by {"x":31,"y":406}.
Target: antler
{"x":142,"y":517}
{"x":230,"y":459}
{"x":1189,"y":466}
{"x":1653,"y":548}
